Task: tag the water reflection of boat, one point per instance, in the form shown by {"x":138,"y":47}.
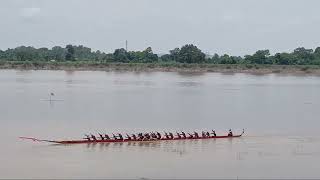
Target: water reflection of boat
{"x":176,"y":147}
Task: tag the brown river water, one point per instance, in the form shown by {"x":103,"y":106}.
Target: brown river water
{"x":280,"y":114}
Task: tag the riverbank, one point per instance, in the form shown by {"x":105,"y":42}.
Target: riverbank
{"x":162,"y":67}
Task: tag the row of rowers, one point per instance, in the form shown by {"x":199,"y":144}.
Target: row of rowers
{"x":153,"y":136}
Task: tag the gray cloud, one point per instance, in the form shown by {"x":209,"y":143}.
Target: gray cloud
{"x":222,"y":26}
{"x":29,"y":12}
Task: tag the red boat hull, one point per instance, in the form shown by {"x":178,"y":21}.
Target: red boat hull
{"x":127,"y":140}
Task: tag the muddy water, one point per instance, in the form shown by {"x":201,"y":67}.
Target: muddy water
{"x":280,"y":114}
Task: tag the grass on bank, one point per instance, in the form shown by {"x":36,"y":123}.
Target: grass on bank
{"x":141,"y":66}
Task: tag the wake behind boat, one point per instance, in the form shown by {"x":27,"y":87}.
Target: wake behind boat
{"x":140,"y":137}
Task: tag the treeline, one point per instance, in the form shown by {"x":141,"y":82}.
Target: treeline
{"x":186,"y":54}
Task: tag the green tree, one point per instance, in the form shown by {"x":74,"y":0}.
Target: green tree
{"x":24,"y":53}
{"x":70,"y":53}
{"x":316,"y":56}
{"x":148,"y":56}
{"x":166,"y":58}
{"x":260,"y":57}
{"x":174,"y":53}
{"x":58,"y":53}
{"x":215,"y":59}
{"x":191,"y":54}
{"x":2,"y":54}
{"x":84,"y":53}
{"x":120,"y":55}
{"x":284,"y":59}
{"x":303,"y":55}
{"x":43,"y":54}
{"x":226,"y":59}
{"x":317,"y":51}
{"x":107,"y":57}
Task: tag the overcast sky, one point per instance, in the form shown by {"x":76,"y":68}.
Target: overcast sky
{"x":236,"y":27}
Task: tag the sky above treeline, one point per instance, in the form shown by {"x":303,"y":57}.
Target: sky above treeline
{"x":235,"y":27}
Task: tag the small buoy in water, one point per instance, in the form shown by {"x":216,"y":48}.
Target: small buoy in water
{"x":51,"y":99}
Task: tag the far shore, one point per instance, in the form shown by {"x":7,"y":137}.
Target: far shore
{"x":162,"y":67}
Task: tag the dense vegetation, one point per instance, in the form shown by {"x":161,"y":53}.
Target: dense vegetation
{"x":186,"y":54}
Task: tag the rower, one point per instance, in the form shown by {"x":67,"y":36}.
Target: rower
{"x":166,"y":135}
{"x":147,"y":136}
{"x":101,"y":136}
{"x":196,"y":135}
{"x":158,"y":135}
{"x":190,"y":136}
{"x":106,"y":137}
{"x":208,"y":134}
{"x":171,"y":135}
{"x":179,"y":136}
{"x":87,"y":137}
{"x":183,"y":135}
{"x":203,"y":134}
{"x":214,"y":133}
{"x":140,"y":135}
{"x":134,"y":137}
{"x":93,"y":137}
{"x":153,"y":135}
{"x":120,"y":137}
{"x":114,"y":137}
{"x":230,"y":133}
{"x":128,"y":137}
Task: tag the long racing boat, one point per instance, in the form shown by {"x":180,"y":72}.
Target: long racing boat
{"x":102,"y":140}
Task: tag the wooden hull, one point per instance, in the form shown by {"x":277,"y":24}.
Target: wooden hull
{"x":127,"y":140}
